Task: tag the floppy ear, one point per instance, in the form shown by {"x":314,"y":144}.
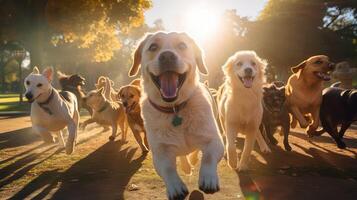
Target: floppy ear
{"x":35,"y":70}
{"x":137,"y":57}
{"x":297,"y":68}
{"x":199,"y":58}
{"x":135,"y":82}
{"x":48,"y":73}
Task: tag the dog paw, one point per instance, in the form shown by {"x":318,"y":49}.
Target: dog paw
{"x":111,"y":138}
{"x":208,"y":181}
{"x":177,"y":191}
{"x":341,"y":145}
{"x":287,"y":147}
{"x":69,"y":148}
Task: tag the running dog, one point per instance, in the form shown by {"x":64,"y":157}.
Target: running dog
{"x":51,"y":111}
{"x":177,"y":109}
{"x":240,"y":105}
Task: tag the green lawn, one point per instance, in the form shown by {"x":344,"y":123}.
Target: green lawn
{"x":10,"y":102}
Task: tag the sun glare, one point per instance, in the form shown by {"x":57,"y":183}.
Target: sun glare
{"x":201,"y":22}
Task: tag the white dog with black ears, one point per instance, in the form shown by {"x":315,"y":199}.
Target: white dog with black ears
{"x":177,"y":110}
{"x":240,"y":105}
{"x":51,"y":111}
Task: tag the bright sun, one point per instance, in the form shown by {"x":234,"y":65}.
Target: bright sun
{"x":201,"y":22}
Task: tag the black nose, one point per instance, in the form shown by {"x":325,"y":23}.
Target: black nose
{"x":125,"y":103}
{"x":167,"y":58}
{"x":29,"y":95}
{"x":248,"y":71}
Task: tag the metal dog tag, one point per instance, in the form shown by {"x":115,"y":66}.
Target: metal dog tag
{"x":176,"y":121}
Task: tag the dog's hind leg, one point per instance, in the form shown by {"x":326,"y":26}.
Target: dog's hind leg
{"x":185,"y":165}
{"x":262,"y":144}
{"x":193,"y":158}
{"x":114,"y":132}
{"x":343,"y":129}
{"x":60,"y":138}
{"x":72,"y":132}
{"x":232,"y":155}
{"x":165,"y":165}
{"x":212,"y":153}
{"x":247,"y":149}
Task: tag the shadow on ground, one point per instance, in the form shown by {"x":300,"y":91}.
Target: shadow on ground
{"x":103,"y":174}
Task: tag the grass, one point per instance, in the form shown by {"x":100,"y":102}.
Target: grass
{"x":11,"y":102}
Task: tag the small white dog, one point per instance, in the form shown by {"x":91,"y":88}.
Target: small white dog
{"x":177,"y":110}
{"x":51,"y":111}
{"x":240,"y":104}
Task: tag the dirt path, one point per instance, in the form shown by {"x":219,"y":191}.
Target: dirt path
{"x":100,"y":169}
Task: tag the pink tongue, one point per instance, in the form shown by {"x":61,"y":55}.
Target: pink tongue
{"x":169,"y":84}
{"x":248,"y":82}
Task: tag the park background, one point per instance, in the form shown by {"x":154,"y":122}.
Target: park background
{"x":97,"y":37}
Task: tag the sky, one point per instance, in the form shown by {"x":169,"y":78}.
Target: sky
{"x":176,"y":14}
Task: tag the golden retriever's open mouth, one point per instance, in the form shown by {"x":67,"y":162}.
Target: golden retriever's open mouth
{"x":247,"y":81}
{"x":323,"y":75}
{"x":169,"y":84}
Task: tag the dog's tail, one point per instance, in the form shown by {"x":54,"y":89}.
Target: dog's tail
{"x":107,"y":89}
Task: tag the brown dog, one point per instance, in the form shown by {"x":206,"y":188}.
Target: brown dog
{"x":304,"y":91}
{"x":130,"y":97}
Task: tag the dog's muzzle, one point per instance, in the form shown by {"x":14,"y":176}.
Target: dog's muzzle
{"x":29,"y":97}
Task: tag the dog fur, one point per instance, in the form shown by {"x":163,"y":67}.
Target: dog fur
{"x":339,"y":107}
{"x":110,"y":94}
{"x":52,"y":111}
{"x":106,"y":112}
{"x":275,"y":113}
{"x":304,"y":91}
{"x":162,"y":55}
{"x":130,"y":95}
{"x":240,"y":105}
{"x":73,"y":83}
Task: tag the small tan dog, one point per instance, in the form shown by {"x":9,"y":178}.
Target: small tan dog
{"x":177,"y":109}
{"x":304,"y":91}
{"x":240,"y":105}
{"x":106,"y":113}
{"x":130,"y":95}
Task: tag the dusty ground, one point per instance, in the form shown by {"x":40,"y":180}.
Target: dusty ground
{"x":99,"y":169}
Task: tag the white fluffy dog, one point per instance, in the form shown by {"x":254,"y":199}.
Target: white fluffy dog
{"x":177,"y":109}
{"x":240,"y":104}
{"x":51,"y":111}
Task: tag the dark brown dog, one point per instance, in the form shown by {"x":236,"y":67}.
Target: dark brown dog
{"x":275,"y":113}
{"x":73,"y":83}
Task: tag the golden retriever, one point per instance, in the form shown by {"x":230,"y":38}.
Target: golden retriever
{"x":240,"y":104}
{"x":130,"y":95}
{"x":177,"y":110}
{"x":304,"y":91}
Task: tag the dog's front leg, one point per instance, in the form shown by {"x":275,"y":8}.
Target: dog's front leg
{"x":212,"y":153}
{"x":311,"y":129}
{"x":165,"y":165}
{"x":72,"y":136}
{"x":44,"y":133}
{"x":299,"y":116}
{"x":232,"y":155}
{"x":286,"y":130}
{"x":114,"y":132}
{"x":247,"y":149}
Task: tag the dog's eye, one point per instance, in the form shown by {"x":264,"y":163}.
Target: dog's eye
{"x":39,"y":85}
{"x":318,"y":62}
{"x":131,"y":96}
{"x":239,"y":64}
{"x":253,"y":63}
{"x":182,"y":46}
{"x":27,"y":82}
{"x":153,"y":47}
